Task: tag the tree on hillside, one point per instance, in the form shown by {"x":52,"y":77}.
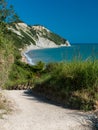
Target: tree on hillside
{"x":7,"y":14}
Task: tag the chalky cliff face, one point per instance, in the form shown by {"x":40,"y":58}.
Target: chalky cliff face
{"x":37,"y":36}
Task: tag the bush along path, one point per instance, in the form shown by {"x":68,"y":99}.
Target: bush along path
{"x":33,"y":112}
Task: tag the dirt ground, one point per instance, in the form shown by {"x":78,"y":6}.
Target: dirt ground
{"x":31,"y":112}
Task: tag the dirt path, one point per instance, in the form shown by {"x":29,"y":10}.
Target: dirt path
{"x":35,"y":113}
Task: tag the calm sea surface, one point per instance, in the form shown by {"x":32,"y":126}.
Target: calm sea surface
{"x":79,"y":51}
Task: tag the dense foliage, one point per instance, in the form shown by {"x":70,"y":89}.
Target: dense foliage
{"x":8,"y":49}
{"x":6,"y":54}
{"x":73,"y":84}
{"x":22,"y":74}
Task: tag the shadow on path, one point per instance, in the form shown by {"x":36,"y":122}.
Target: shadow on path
{"x":31,"y":95}
{"x":40,"y":98}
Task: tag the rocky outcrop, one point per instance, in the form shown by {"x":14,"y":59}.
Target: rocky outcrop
{"x":36,"y":36}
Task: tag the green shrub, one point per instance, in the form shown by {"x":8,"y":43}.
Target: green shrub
{"x":6,"y":54}
{"x":21,"y":73}
{"x":80,"y":103}
{"x":74,"y":83}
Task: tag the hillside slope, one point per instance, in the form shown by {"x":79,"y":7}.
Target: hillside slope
{"x":36,"y":36}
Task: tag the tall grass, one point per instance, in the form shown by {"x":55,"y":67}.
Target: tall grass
{"x":6,"y":56}
{"x":74,"y":84}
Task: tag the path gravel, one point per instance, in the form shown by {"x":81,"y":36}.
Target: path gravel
{"x":35,"y":113}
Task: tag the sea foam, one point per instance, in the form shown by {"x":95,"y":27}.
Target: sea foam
{"x":29,"y":60}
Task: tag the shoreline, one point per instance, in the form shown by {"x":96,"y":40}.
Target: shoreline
{"x":32,"y":47}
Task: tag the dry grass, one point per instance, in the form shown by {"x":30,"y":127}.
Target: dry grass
{"x":5,"y":106}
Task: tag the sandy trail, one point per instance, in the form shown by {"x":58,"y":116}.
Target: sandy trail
{"x":35,"y":113}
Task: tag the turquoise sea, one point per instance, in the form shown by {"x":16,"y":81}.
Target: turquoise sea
{"x":75,"y":51}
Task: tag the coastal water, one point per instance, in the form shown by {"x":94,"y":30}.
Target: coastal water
{"x":75,"y":51}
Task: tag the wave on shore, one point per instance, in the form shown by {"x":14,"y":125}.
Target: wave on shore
{"x":29,"y":60}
